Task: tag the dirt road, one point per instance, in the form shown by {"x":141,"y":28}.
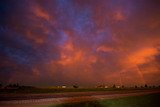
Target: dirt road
{"x":36,"y":100}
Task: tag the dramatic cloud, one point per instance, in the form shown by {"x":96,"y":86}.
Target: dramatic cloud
{"x":87,"y":42}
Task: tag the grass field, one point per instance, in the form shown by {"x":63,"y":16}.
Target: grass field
{"x":54,"y":90}
{"x":62,"y":90}
{"x":152,"y":100}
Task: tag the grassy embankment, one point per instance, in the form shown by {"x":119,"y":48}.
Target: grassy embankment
{"x":151,"y":100}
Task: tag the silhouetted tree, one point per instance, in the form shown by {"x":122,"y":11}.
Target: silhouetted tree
{"x":75,"y":86}
{"x":10,"y":85}
{"x":114,"y":86}
{"x":146,"y":86}
{"x":135,"y":86}
{"x":0,"y":85}
{"x":17,"y":85}
{"x":142,"y":87}
{"x":122,"y":86}
{"x":153,"y":86}
{"x":14,"y":85}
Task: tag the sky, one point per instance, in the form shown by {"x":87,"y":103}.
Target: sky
{"x":85,"y":42}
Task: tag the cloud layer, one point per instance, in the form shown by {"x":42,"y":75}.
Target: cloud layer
{"x":85,"y":42}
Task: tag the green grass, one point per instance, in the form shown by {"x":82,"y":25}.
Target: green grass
{"x":62,"y":90}
{"x":152,"y":100}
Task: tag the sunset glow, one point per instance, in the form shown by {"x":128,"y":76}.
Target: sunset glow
{"x":86,"y":42}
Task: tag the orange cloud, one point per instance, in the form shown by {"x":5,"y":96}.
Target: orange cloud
{"x":92,"y":59}
{"x":104,"y":49}
{"x":119,"y":15}
{"x":142,"y":56}
{"x":40,"y":12}
{"x":70,"y":55}
{"x":71,"y":59}
{"x":136,"y":61}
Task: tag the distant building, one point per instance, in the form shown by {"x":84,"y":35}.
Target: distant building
{"x":105,"y":86}
{"x":118,"y":86}
{"x":102,"y":86}
{"x":63,"y":86}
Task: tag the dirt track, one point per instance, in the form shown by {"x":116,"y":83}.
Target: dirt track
{"x":36,"y":100}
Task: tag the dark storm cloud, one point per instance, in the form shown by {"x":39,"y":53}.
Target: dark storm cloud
{"x":24,"y":40}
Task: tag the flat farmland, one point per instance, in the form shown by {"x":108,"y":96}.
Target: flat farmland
{"x":53,"y":99}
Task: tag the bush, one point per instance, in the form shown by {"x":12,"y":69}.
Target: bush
{"x":75,"y":86}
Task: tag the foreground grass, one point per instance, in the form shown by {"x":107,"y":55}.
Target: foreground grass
{"x":152,"y":100}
